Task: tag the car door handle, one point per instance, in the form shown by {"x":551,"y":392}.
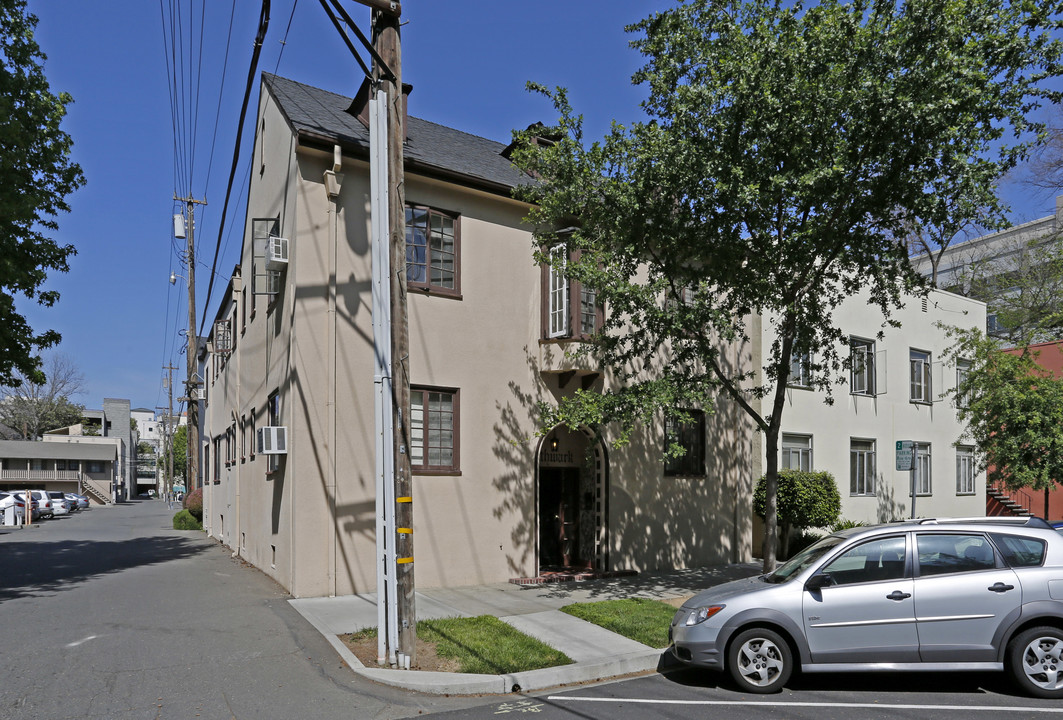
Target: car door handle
{"x":1000,"y":587}
{"x":898,"y":595}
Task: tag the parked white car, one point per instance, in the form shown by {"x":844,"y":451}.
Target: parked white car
{"x":43,"y":502}
{"x":60,"y":505}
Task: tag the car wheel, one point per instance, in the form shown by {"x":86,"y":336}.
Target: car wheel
{"x":1035,"y":659}
{"x":760,"y":661}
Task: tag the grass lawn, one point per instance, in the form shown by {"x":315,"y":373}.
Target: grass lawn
{"x":482,"y":644}
{"x":485,"y":644}
{"x":642,"y":620}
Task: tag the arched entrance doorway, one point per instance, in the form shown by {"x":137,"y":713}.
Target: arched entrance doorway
{"x":571,"y":498}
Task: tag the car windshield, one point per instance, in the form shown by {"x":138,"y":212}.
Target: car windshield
{"x":802,"y":560}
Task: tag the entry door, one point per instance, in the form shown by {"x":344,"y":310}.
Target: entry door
{"x":559,"y":515}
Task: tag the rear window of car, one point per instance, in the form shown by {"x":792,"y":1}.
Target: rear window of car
{"x":1019,"y":550}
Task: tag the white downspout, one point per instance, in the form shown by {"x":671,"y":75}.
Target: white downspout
{"x":333,"y":179}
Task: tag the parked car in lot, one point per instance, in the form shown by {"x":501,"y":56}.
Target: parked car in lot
{"x":7,"y":500}
{"x":60,"y":505}
{"x":79,"y":501}
{"x":960,"y":594}
{"x":43,"y":502}
{"x":19,"y":501}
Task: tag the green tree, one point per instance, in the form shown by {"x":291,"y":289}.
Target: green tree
{"x":1013,"y":409}
{"x":788,"y":153}
{"x":180,"y":449}
{"x":36,"y":174}
{"x":32,"y":408}
{"x":805,"y":500}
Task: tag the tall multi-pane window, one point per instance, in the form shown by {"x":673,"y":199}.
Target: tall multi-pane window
{"x":432,"y":250}
{"x":570,"y":309}
{"x":923,"y":485}
{"x":862,"y":366}
{"x":965,"y":470}
{"x":690,"y":435}
{"x":796,"y":452}
{"x":434,"y":430}
{"x":557,"y":313}
{"x":919,"y":377}
{"x":861,"y":467}
{"x":799,"y":370}
{"x":963,"y":371}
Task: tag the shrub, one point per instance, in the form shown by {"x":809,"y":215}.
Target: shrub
{"x":805,"y":499}
{"x":193,"y":503}
{"x":184,"y":521}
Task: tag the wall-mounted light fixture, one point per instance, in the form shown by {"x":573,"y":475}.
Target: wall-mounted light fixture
{"x":553,"y":443}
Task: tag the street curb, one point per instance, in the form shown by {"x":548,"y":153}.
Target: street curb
{"x":445,"y":683}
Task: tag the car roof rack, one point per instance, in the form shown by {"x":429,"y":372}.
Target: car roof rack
{"x":1031,"y":521}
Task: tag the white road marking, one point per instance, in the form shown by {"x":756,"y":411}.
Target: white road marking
{"x":78,"y":642}
{"x":783,"y":704}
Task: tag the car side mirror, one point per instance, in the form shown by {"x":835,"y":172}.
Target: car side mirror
{"x":819,"y":581}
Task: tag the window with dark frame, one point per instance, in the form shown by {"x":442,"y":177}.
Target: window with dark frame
{"x":861,"y":467}
{"x":273,"y":414}
{"x":570,"y":310}
{"x":434,"y":424}
{"x":799,"y":370}
{"x":862,"y":366}
{"x":433,"y":250}
{"x":919,"y":378}
{"x":690,"y":435}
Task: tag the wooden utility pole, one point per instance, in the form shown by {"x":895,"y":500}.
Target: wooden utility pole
{"x":387,"y":44}
{"x":193,"y":350}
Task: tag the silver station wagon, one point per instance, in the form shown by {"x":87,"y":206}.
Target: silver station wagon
{"x":935,"y":594}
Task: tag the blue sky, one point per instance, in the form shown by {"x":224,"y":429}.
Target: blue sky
{"x":468,"y":62}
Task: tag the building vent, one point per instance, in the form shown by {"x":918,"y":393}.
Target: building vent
{"x":272,"y":440}
{"x":924,"y":304}
{"x":277,"y":253}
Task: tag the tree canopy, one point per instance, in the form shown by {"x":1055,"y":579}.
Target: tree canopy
{"x":32,"y":408}
{"x":36,"y":175}
{"x":788,"y":152}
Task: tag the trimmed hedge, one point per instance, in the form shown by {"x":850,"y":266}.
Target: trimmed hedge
{"x":184,"y":521}
{"x":805,"y":500}
{"x":193,"y":503}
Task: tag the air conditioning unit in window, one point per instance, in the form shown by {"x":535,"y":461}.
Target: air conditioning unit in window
{"x":276,"y":253}
{"x":271,"y":440}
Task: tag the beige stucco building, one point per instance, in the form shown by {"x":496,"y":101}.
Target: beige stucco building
{"x":493,"y":500}
{"x":899,"y":389}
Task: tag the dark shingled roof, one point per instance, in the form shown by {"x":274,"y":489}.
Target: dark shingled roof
{"x":431,"y":149}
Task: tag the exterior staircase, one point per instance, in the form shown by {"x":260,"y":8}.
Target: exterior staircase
{"x":100,"y":495}
{"x":999,"y":502}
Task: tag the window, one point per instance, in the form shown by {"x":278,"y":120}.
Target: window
{"x":799,"y":370}
{"x":1020,"y":551}
{"x":60,"y":464}
{"x":217,"y":460}
{"x":273,"y":417}
{"x":434,"y":430}
{"x":690,"y":435}
{"x":570,"y":309}
{"x":965,"y":470}
{"x":251,"y":418}
{"x":862,"y":366}
{"x":796,"y":452}
{"x":861,"y":467}
{"x":963,"y":371}
{"x":877,"y":560}
{"x":942,"y":554}
{"x":923,"y":486}
{"x":432,"y":250}
{"x":243,"y":439}
{"x":95,"y":466}
{"x":919,"y":378}
{"x":557,"y":288}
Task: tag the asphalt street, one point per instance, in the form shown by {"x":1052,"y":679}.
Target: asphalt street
{"x":111,"y":614}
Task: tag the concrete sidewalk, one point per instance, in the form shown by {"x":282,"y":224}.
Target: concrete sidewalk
{"x":533,"y":609}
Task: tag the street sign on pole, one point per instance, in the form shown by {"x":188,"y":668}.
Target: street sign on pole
{"x":905,"y":454}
